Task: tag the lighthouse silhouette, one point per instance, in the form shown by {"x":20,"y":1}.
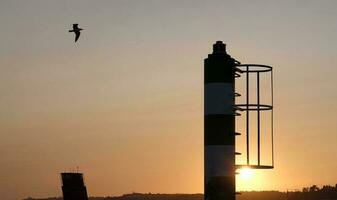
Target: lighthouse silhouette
{"x":220,"y":112}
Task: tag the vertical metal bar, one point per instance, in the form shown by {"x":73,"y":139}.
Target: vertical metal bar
{"x":247,"y":112}
{"x":272,"y":117}
{"x":258,"y":118}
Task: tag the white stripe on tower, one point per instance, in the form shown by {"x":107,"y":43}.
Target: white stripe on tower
{"x":219,"y":98}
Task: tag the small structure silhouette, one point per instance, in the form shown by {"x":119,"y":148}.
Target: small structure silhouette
{"x":73,"y":187}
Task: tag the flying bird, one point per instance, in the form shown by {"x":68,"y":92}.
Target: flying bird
{"x":77,"y":31}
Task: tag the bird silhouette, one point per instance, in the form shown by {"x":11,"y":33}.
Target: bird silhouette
{"x":77,"y":31}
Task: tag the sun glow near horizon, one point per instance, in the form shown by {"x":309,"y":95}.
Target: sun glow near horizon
{"x":247,"y":179}
{"x":250,"y":179}
{"x":245,"y":173}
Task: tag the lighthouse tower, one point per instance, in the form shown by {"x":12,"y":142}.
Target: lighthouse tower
{"x":219,"y":124}
{"x":220,"y":112}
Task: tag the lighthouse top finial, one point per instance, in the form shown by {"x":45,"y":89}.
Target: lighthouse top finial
{"x":219,"y":47}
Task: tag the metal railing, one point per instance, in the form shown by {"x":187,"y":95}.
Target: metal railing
{"x":258,"y":107}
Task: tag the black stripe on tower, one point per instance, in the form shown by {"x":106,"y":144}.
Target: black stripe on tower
{"x":219,"y":129}
{"x":220,"y":188}
{"x":219,"y":69}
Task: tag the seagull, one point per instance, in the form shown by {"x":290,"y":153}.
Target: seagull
{"x":77,"y":31}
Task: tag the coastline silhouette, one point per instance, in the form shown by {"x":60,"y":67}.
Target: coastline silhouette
{"x":308,"y":193}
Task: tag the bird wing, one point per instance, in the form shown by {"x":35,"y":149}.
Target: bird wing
{"x":77,"y":35}
{"x":75,"y":26}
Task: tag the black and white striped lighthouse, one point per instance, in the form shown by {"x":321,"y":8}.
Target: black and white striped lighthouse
{"x":219,"y":124}
{"x":220,"y":71}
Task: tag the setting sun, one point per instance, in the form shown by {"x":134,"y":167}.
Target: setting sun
{"x":245,"y":173}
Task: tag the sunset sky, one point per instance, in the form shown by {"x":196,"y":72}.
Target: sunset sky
{"x":125,"y":103}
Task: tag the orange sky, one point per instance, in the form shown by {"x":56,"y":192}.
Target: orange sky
{"x":125,"y":103}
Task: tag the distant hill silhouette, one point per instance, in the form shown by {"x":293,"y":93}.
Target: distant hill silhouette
{"x":327,"y":192}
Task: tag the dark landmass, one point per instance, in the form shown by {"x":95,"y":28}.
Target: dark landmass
{"x":327,"y":192}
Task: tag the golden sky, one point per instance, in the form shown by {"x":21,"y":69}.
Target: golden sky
{"x":125,"y":103}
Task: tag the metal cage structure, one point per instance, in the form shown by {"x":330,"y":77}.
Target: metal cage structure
{"x":251,"y":108}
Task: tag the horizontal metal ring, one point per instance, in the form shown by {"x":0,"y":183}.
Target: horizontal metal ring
{"x":253,"y":107}
{"x":255,"y":166}
{"x":254,"y":68}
